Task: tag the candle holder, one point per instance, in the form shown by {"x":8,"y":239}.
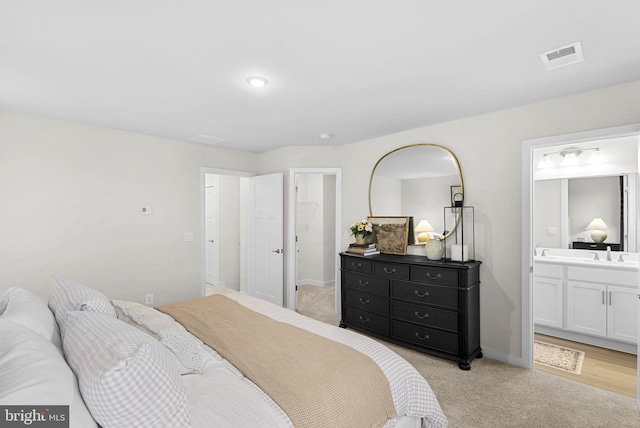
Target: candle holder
{"x":460,"y":245}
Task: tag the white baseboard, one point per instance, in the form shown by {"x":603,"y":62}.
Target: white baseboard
{"x":316,"y":283}
{"x":505,"y":358}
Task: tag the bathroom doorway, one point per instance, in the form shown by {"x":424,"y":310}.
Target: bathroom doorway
{"x":618,"y":368}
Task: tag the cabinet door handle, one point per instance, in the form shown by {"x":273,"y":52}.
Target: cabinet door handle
{"x":364,"y":284}
{"x":416,"y":313}
{"x":425,"y":337}
{"x":364,"y":319}
{"x":425,"y":294}
{"x":438,"y":276}
{"x":603,"y":297}
{"x":390,"y":271}
{"x":364,"y":302}
{"x":356,"y":265}
{"x":609,"y":298}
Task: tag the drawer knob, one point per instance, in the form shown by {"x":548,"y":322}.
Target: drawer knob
{"x":425,"y":337}
{"x":356,"y":265}
{"x":416,"y":313}
{"x":387,"y":270}
{"x":364,"y":302}
{"x":365,"y":319}
{"x":364,"y":284}
{"x":425,"y":294}
{"x":438,"y":276}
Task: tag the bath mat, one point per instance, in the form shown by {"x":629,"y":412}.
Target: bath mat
{"x":558,"y":357}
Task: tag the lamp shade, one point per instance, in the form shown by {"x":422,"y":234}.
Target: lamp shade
{"x":596,"y":224}
{"x":424,"y":227}
{"x":597,"y":227}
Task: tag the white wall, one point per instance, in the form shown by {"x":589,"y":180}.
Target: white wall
{"x":489,"y":149}
{"x":547,"y":213}
{"x":71,"y":193}
{"x":229,"y":206}
{"x":70,"y":198}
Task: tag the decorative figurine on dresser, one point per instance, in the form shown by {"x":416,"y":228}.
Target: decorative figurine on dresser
{"x":406,"y":298}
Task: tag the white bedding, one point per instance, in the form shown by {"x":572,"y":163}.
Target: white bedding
{"x":221,"y":394}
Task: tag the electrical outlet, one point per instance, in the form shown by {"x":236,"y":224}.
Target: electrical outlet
{"x":148,"y":299}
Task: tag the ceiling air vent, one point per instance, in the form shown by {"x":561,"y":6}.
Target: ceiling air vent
{"x":560,"y":57}
{"x":207,"y":139}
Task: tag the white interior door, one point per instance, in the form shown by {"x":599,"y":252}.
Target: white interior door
{"x":211,"y":226}
{"x":265,"y":238}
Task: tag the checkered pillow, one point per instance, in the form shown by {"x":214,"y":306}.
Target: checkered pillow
{"x":126,"y":377}
{"x":66,"y":295}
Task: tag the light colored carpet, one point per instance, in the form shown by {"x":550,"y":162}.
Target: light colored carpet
{"x":494,"y":394}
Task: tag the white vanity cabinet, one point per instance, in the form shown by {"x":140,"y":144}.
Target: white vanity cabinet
{"x":584,"y":302}
{"x":548,"y":295}
{"x":602,"y":302}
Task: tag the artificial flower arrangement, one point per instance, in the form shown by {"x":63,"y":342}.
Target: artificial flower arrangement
{"x":363,"y":228}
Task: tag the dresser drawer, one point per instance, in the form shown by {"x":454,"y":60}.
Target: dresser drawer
{"x":391,"y":270}
{"x":367,"y":302}
{"x":366,"y":283}
{"x":425,"y":315}
{"x":357,"y":264}
{"x":437,"y":295}
{"x":434,"y":275}
{"x":362,"y":319}
{"x":427,"y":337}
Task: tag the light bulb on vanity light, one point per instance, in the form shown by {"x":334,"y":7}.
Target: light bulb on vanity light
{"x":597,"y":156}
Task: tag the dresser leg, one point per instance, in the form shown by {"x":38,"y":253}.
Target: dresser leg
{"x":464,"y":365}
{"x":342,"y":325}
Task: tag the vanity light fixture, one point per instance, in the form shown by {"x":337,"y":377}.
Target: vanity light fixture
{"x":570,"y":157}
{"x":597,"y":227}
{"x":545,"y":161}
{"x":597,"y":156}
{"x":424,"y":227}
{"x":257,"y":81}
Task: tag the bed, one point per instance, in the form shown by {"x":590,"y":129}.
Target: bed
{"x":119,"y":364}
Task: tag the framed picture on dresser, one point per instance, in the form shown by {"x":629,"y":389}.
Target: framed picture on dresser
{"x":391,"y":233}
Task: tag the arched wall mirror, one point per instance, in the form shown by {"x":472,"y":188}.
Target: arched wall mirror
{"x":416,"y":181}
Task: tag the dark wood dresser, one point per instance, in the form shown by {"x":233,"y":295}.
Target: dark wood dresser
{"x":430,"y":306}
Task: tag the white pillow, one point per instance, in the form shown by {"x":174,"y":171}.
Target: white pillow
{"x":25,"y":308}
{"x":126,"y":377}
{"x":184,"y":345}
{"x":66,"y":295}
{"x":33,"y":372}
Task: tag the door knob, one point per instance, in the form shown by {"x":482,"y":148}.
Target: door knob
{"x":210,"y":240}
{"x":278,"y":251}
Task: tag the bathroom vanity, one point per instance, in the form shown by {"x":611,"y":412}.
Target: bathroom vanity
{"x":585,"y":300}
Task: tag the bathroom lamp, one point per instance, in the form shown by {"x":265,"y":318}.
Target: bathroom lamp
{"x":424,"y":227}
{"x":597,"y":227}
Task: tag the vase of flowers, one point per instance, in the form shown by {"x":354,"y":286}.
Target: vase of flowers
{"x":363,"y":231}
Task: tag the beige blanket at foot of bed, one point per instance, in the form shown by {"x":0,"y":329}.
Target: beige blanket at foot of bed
{"x":316,"y":381}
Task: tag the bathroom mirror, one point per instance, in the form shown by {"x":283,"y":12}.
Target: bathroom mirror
{"x":418,"y":181}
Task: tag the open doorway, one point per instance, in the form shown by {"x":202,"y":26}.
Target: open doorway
{"x":314,"y":233}
{"x":562,"y":298}
{"x":225,"y":216}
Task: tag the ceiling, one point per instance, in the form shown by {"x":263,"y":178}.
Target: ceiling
{"x":356,"y":70}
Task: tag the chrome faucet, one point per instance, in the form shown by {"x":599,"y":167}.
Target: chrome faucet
{"x":544,"y":252}
{"x":620,"y":259}
{"x":595,"y":255}
{"x":609,"y":254}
